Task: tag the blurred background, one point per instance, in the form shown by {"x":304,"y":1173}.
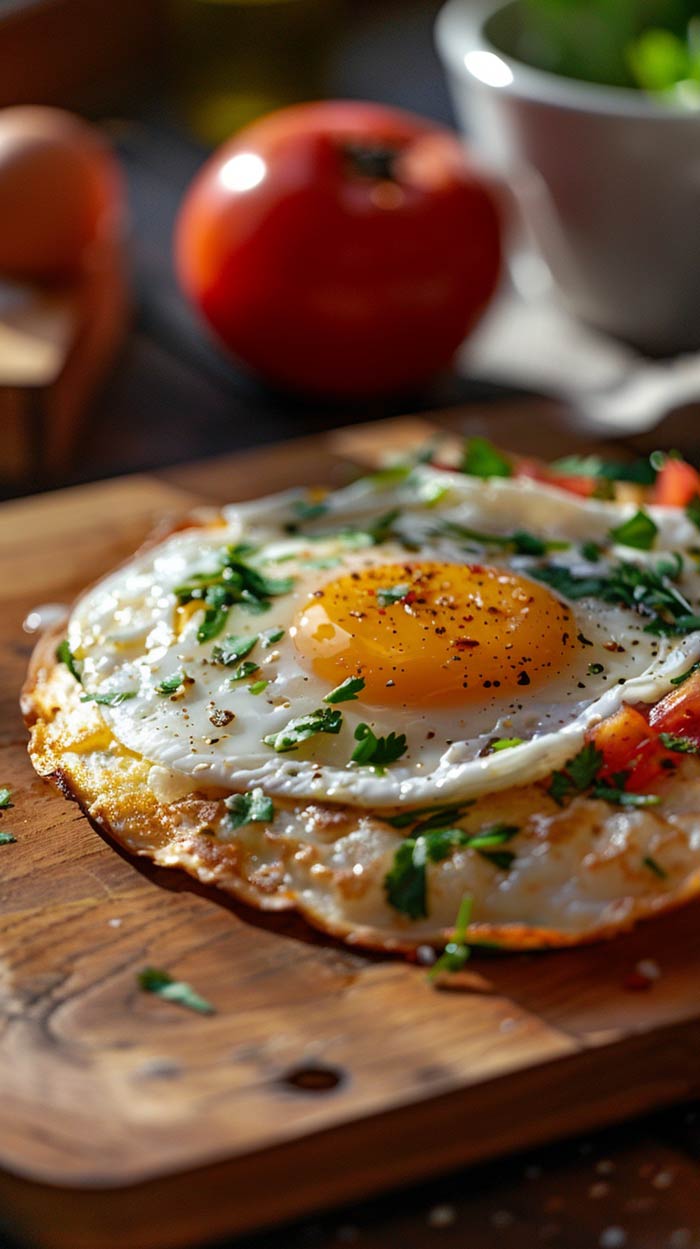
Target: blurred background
{"x":119,"y":374}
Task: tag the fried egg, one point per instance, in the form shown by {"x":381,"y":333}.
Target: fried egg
{"x":407,"y":612}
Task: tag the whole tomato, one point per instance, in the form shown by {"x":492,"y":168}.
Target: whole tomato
{"x":340,"y":248}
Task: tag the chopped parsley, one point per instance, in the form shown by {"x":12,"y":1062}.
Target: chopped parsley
{"x":5,"y":798}
{"x":153,"y":980}
{"x":252,"y":808}
{"x":521,"y":542}
{"x":64,"y":655}
{"x":591,"y":551}
{"x":642,"y":471}
{"x":7,"y":839}
{"x":650,"y":591}
{"x":456,"y":952}
{"x":347,"y":691}
{"x":639,"y":532}
{"x":624,"y":798}
{"x":504,"y":743}
{"x":429,"y":817}
{"x":109,"y":700}
{"x":307,"y":510}
{"x":578,"y":775}
{"x":269,"y":636}
{"x":682,"y":745}
{"x":323,"y":720}
{"x":246,"y":669}
{"x":481,"y":459}
{"x":393,"y":594}
{"x":172,"y":684}
{"x":235,"y":581}
{"x":233,"y":649}
{"x":406,"y":884}
{"x":258,"y":687}
{"x":383,"y":527}
{"x":684,"y":675}
{"x":655,"y":867}
{"x":377,"y":751}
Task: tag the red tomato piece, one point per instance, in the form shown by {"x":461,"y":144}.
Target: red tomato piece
{"x":583,"y":486}
{"x":630,"y":744}
{"x":679,"y":711}
{"x":676,"y":484}
{"x":340,"y":248}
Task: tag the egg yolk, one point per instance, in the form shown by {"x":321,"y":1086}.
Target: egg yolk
{"x":429,"y":633}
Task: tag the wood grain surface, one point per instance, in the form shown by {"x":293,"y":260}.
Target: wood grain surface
{"x":325,"y":1074}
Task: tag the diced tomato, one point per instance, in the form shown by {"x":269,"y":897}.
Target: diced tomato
{"x":679,"y":711}
{"x":676,"y":484}
{"x":628,"y":743}
{"x":583,"y":486}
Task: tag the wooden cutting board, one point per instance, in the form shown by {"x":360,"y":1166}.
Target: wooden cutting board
{"x":326,"y":1073}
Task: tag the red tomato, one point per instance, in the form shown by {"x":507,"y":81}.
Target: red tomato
{"x":340,"y":248}
{"x":628,"y":743}
{"x":60,"y":192}
{"x":583,"y":486}
{"x":679,"y":711}
{"x":676,"y":484}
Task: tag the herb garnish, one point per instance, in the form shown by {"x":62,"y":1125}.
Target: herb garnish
{"x":233,"y":582}
{"x":591,"y":551}
{"x":109,"y":700}
{"x":692,"y":511}
{"x":323,"y":720}
{"x":456,"y":952}
{"x":7,"y":839}
{"x":172,"y":684}
{"x":246,"y":669}
{"x":252,"y":808}
{"x":347,"y":691}
{"x":393,"y":594}
{"x":305,"y":510}
{"x":257,"y":687}
{"x":153,"y":980}
{"x":688,"y":673}
{"x":504,"y":743}
{"x":64,"y":655}
{"x":642,"y":471}
{"x":406,"y":882}
{"x":639,"y":532}
{"x":624,"y":798}
{"x":648,"y":590}
{"x":378,"y":751}
{"x":521,"y":542}
{"x":682,"y":745}
{"x":269,"y":636}
{"x":429,"y":817}
{"x":232,"y":649}
{"x":578,"y":775}
{"x":5,"y":798}
{"x":481,"y":459}
{"x":655,"y":867}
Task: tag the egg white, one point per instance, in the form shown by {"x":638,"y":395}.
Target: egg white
{"x":122,"y":631}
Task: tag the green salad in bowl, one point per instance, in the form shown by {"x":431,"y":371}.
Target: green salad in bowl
{"x":653,"y":45}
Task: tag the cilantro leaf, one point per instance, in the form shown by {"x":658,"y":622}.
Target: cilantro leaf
{"x":521,"y":542}
{"x":429,"y":817}
{"x":655,"y":867}
{"x":682,"y":745}
{"x":591,"y":551}
{"x":378,"y":751}
{"x":578,"y":775}
{"x":251,"y":808}
{"x":481,"y":459}
{"x":669,"y":628}
{"x":649,"y":590}
{"x":234,"y":581}
{"x":393,"y":594}
{"x":383,"y":527}
{"x":258,"y":687}
{"x":233,"y":649}
{"x":504,"y":743}
{"x":347,"y":691}
{"x":5,"y":798}
{"x":457,"y":951}
{"x":639,"y":532}
{"x":323,"y":720}
{"x":6,"y":839}
{"x":153,"y":980}
{"x":172,"y":684}
{"x":406,"y":882}
{"x":109,"y":700}
{"x":305,"y":510}
{"x":64,"y":655}
{"x":641,"y":471}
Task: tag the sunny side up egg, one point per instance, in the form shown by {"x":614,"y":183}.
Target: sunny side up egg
{"x":396,"y":645}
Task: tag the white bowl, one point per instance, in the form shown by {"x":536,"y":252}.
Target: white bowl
{"x":608,"y":179}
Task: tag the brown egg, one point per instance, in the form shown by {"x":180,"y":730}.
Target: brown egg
{"x":60,"y":192}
